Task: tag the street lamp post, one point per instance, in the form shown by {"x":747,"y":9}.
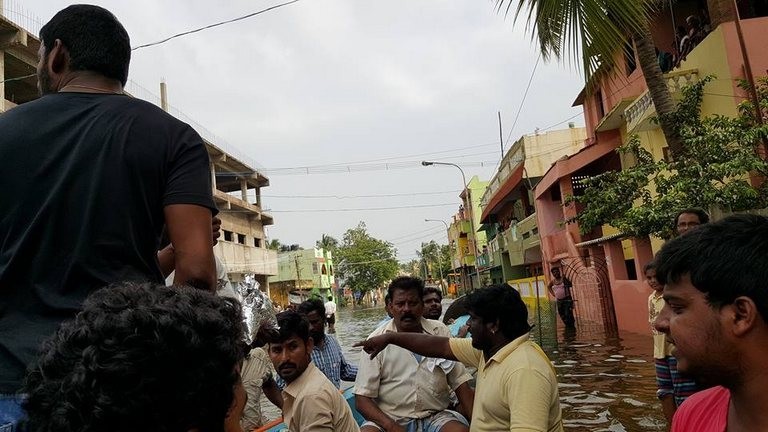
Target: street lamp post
{"x":439,"y":254}
{"x":468,"y":207}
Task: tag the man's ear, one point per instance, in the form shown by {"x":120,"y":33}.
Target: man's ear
{"x":310,"y":344}
{"x":58,"y":58}
{"x":743,"y":316}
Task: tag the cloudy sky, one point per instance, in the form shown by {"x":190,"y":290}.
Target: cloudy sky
{"x":339,"y":82}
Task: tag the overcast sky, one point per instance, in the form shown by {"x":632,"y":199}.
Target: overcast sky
{"x":342,"y":81}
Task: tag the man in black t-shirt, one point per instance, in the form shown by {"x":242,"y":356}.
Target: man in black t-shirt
{"x":90,"y":176}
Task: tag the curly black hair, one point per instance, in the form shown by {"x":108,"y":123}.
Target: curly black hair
{"x":139,"y":357}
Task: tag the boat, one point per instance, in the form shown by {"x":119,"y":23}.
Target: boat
{"x":277,"y":425}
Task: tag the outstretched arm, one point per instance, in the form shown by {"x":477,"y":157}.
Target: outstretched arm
{"x":426,"y":345}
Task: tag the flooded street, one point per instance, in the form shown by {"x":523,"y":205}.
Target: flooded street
{"x":606,"y":384}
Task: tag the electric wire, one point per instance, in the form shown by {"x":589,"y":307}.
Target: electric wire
{"x":214,"y":25}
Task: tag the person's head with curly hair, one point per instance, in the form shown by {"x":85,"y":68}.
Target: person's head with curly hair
{"x":139,"y":357}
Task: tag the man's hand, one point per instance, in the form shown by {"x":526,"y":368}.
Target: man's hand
{"x":394,"y":427}
{"x":215,"y":229}
{"x":374,"y":345}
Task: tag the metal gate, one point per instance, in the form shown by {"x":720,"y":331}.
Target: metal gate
{"x":591,"y":292}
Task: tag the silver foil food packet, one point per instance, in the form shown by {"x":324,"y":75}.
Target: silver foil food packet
{"x":258,"y":311}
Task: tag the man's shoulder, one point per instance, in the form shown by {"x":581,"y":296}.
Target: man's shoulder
{"x":706,"y":410}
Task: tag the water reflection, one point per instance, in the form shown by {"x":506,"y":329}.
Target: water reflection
{"x":606,"y":383}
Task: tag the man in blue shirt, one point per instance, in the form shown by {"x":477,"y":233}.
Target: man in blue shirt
{"x":326,"y":355}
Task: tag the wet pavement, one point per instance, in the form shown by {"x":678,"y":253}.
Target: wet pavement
{"x":606,"y":383}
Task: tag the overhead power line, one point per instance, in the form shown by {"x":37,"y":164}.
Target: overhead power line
{"x":18,"y":78}
{"x":341,"y":197}
{"x":214,"y":25}
{"x":345,"y":209}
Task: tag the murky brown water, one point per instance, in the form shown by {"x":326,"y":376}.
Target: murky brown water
{"x":606,"y":384}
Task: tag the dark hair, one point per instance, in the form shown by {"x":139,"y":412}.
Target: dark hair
{"x":139,"y":357}
{"x":433,"y":290}
{"x":650,"y":266}
{"x":95,"y":39}
{"x":503,"y":303}
{"x":312,"y":305}
{"x":405,"y":283}
{"x":725,"y":260}
{"x":701,"y":214}
{"x":330,"y":298}
{"x":292,"y":323}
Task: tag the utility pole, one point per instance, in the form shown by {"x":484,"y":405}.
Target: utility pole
{"x":501,"y":137}
{"x":298,"y":276}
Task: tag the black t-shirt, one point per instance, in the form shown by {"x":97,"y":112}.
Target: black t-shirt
{"x":84,"y":180}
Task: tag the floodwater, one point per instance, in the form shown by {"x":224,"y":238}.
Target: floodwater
{"x":606,"y":383}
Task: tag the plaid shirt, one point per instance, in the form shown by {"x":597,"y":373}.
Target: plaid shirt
{"x":331,"y":362}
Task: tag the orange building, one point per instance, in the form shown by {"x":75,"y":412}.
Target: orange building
{"x":606,"y":266}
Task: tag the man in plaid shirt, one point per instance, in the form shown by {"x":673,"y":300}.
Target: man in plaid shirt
{"x":326,"y":354}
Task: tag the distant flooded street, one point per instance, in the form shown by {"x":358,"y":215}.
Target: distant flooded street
{"x":606,"y":384}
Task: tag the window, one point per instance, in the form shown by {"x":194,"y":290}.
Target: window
{"x":631,"y":272}
{"x":241,"y":238}
{"x":629,"y":57}
{"x":599,"y":105}
{"x":256,"y":242}
{"x":314,"y":268}
{"x":227,"y":235}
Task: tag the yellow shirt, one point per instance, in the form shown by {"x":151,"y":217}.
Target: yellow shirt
{"x":313,"y":403}
{"x":405,"y":386}
{"x":255,"y":368}
{"x":516,"y":388}
{"x":661,"y":348}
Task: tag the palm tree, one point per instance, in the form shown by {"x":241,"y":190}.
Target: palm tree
{"x":327,"y":242}
{"x":594,"y":32}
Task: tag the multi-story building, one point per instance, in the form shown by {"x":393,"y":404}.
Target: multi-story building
{"x":236,"y":182}
{"x":465,"y":240}
{"x":605,"y":265}
{"x":508,"y":215}
{"x":303,"y":273}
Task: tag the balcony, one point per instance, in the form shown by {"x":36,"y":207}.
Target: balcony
{"x":640,"y":113}
{"x":523,"y":242}
{"x":226,"y":201}
{"x":239,"y":258}
{"x":459,"y":229}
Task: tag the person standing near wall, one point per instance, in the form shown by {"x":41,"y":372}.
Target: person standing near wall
{"x":560,"y":288}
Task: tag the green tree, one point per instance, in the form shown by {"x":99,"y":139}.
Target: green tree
{"x":364,"y":262}
{"x":596,"y":32}
{"x":713,"y":170}
{"x":437,"y":258}
{"x":411,"y":268}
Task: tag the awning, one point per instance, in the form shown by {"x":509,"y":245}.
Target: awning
{"x":500,"y":197}
{"x":601,"y":240}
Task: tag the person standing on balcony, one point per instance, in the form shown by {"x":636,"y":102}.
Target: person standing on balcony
{"x":90,"y":176}
{"x":560,"y":288}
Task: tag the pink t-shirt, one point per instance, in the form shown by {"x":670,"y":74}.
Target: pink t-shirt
{"x":704,"y":411}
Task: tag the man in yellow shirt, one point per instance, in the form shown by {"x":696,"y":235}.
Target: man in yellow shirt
{"x":310,"y":401}
{"x":516,"y":383}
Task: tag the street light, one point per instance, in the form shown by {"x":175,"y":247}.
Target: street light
{"x":439,"y":254}
{"x":468,"y":207}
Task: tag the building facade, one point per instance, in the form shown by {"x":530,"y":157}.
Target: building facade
{"x":301,"y":274}
{"x":605,"y":265}
{"x":508,"y":215}
{"x":465,"y":240}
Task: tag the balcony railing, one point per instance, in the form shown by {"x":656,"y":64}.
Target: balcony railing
{"x":511,"y":160}
{"x":640,"y":112}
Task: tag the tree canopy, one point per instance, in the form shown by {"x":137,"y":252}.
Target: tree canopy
{"x":364,"y":262}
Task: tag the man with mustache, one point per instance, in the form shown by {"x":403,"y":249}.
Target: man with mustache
{"x":716,"y":315}
{"x":326,"y":354}
{"x":399,"y":390}
{"x":310,"y":400}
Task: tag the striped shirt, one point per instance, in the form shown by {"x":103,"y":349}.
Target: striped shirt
{"x":329,"y":359}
